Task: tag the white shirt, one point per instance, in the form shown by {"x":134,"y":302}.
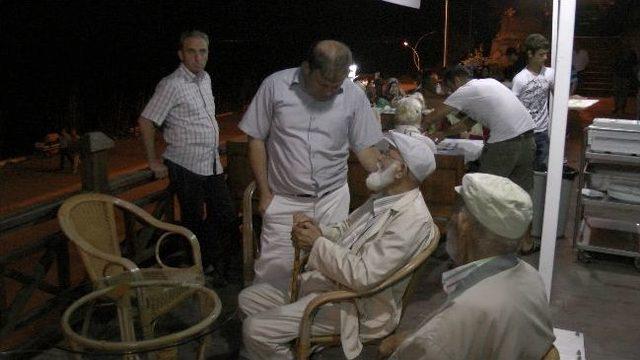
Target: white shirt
{"x":307,"y":140}
{"x":533,"y":90}
{"x":183,"y":105}
{"x":493,"y":105}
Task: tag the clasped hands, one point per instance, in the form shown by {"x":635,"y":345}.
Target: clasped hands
{"x":304,"y":232}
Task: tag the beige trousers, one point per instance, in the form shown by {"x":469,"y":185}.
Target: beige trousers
{"x":271,"y":323}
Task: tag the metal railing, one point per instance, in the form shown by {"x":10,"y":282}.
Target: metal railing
{"x":52,"y":252}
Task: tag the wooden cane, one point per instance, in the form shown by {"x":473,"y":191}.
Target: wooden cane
{"x":294,"y":284}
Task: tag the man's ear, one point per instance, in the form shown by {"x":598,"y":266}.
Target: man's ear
{"x":402,"y":171}
{"x":180,"y":55}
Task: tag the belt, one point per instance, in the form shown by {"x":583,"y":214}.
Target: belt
{"x":311,"y":196}
{"x":525,"y":134}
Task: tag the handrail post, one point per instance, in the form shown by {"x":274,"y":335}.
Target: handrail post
{"x":93,"y":152}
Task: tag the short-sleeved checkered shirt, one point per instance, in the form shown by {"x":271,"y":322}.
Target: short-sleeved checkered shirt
{"x":183,"y":105}
{"x":308,"y":140}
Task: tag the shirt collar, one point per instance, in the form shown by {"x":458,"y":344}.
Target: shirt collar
{"x":384,"y":203}
{"x":189,"y":76}
{"x":408,"y":129}
{"x":451,"y":278}
{"x":296,"y":79}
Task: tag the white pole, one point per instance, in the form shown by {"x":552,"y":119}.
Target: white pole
{"x":554,"y":33}
{"x":446,"y":33}
{"x":563,"y":52}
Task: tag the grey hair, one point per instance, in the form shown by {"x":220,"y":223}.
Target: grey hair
{"x":191,"y":34}
{"x":409,"y":111}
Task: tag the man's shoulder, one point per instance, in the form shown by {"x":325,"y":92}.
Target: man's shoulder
{"x":413,"y":202}
{"x":174,"y":79}
{"x":521,"y":76}
{"x":507,"y":289}
{"x":286,"y":76}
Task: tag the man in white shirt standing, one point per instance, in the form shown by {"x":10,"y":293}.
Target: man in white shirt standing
{"x":510,"y":149}
{"x":184,"y":108}
{"x":301,"y":125}
{"x":532,"y":86}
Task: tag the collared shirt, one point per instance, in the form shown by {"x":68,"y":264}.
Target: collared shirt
{"x":184,"y":106}
{"x":408,"y":129}
{"x":451,"y":278}
{"x":362,"y":224}
{"x":307,"y":140}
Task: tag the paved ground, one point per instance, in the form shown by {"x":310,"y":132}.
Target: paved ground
{"x":600,"y":299}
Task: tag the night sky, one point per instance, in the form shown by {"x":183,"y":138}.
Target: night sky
{"x":93,"y":64}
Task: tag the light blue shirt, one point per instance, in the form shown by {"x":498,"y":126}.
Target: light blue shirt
{"x":307,"y":140}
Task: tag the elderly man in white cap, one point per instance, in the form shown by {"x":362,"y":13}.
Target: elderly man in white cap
{"x":375,"y":241}
{"x":496,"y":306}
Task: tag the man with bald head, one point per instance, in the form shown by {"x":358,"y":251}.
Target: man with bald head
{"x":496,"y":305}
{"x":301,"y":125}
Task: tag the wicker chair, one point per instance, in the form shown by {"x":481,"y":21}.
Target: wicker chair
{"x":552,"y":354}
{"x":250,"y":239}
{"x":412,"y":270}
{"x":89,"y":221}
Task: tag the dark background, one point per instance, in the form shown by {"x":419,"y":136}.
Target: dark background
{"x":93,"y":64}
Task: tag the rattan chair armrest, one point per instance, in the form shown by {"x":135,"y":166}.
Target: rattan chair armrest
{"x":248,"y":251}
{"x":309,"y":313}
{"x":168,"y":228}
{"x":304,"y":337}
{"x":195,"y":249}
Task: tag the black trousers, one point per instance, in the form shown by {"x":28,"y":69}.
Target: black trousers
{"x":206,"y":209}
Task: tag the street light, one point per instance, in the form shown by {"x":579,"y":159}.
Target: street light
{"x":416,"y":56}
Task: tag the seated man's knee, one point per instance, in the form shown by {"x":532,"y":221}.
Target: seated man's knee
{"x":246,"y":301}
{"x":253,"y":329}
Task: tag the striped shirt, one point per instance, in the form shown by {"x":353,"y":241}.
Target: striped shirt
{"x":360,"y":226}
{"x":183,"y":105}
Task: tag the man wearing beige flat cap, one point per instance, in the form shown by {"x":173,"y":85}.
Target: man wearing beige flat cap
{"x":496,"y":306}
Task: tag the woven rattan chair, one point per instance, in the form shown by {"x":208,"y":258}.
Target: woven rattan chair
{"x":89,"y":221}
{"x":412,"y":270}
{"x":552,"y":354}
{"x":250,"y":238}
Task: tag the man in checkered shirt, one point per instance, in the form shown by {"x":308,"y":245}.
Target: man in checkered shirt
{"x":183,"y":108}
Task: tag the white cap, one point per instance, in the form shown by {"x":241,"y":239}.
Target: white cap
{"x":497,"y":203}
{"x":417,"y":152}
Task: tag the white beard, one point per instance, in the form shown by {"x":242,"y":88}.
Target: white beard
{"x":382,"y":178}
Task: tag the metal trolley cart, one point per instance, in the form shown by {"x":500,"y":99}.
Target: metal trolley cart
{"x":609,"y":201}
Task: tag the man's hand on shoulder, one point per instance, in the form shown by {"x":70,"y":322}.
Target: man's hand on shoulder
{"x":304,"y":234}
{"x":159,"y":169}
